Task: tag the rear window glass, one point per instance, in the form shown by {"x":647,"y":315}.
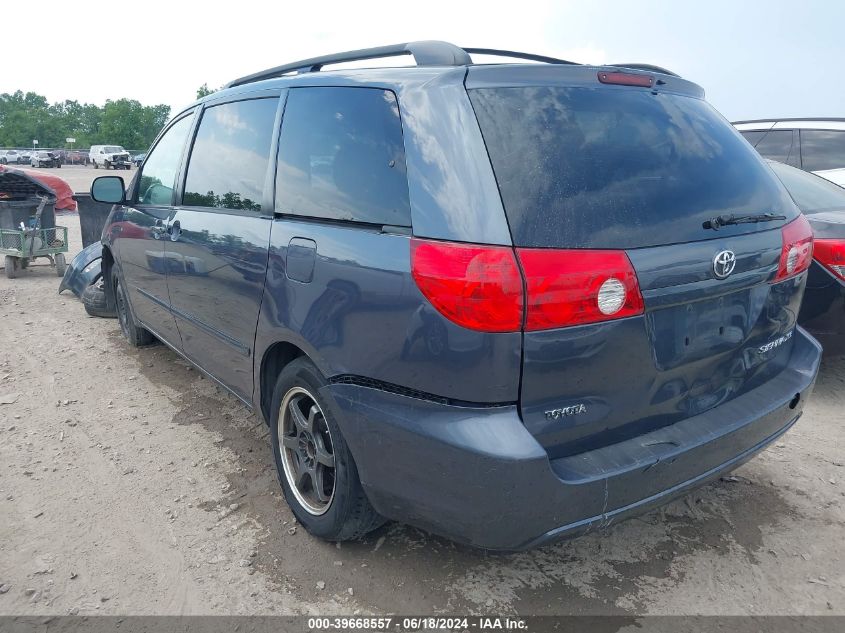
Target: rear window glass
{"x":619,"y":168}
{"x":812,"y":194}
{"x":341,"y":157}
{"x":823,"y":149}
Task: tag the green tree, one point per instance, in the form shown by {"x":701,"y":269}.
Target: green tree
{"x":204,"y":91}
{"x":24,"y":117}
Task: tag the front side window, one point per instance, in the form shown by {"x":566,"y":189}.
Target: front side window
{"x":159,"y":174}
{"x":228,"y":163}
{"x":341,"y":157}
{"x":822,"y":149}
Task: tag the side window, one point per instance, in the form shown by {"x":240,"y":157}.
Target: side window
{"x":341,"y":156}
{"x":753,"y":136}
{"x":778,"y":146}
{"x":822,"y":149}
{"x":228,"y":163}
{"x":159,"y":174}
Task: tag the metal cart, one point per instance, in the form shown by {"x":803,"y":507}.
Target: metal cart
{"x":22,"y":245}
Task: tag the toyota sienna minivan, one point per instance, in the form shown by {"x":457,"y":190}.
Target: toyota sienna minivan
{"x":504,"y":303}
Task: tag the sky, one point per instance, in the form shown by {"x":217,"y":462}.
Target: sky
{"x":755,"y":59}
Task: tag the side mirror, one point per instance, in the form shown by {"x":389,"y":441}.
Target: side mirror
{"x":109,"y":189}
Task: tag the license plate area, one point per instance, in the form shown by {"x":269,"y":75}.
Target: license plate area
{"x":693,"y":331}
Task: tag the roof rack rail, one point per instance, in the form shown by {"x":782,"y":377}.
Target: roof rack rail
{"x":648,"y":67}
{"x":791,"y":119}
{"x":425,"y":53}
{"x":519,"y":55}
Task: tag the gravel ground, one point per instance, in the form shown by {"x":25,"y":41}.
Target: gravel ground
{"x":131,"y":485}
{"x":80,"y":177}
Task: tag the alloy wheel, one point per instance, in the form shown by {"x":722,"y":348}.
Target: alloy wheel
{"x":307,"y":451}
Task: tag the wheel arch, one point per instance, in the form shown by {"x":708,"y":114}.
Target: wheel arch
{"x":106,"y":266}
{"x":275,"y":358}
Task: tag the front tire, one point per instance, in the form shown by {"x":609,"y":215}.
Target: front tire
{"x":96,"y":166}
{"x":315,"y":467}
{"x":134,"y":333}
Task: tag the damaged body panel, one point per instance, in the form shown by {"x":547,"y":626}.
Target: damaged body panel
{"x":84,"y":270}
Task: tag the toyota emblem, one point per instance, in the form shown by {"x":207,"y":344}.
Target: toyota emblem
{"x":724,"y":264}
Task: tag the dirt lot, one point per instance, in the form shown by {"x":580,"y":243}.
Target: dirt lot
{"x":79,"y":177}
{"x":131,"y":485}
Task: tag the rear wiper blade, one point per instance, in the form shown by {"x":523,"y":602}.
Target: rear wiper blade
{"x":725,"y":220}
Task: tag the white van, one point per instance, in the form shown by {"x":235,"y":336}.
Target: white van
{"x":815,"y":145}
{"x":110,"y":156}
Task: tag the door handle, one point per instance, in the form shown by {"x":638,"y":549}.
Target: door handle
{"x":175,"y":231}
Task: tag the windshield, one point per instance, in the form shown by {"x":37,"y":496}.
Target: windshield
{"x":112,"y":149}
{"x":812,"y":194}
{"x":619,"y":168}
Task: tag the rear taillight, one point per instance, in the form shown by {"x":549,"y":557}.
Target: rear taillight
{"x":831,"y":255}
{"x":796,"y":248}
{"x":573,"y":287}
{"x":478,"y":287}
{"x":481,"y":288}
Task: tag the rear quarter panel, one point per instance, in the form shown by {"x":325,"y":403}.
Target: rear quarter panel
{"x":362,"y":315}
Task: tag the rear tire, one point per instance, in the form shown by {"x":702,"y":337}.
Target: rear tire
{"x":344,"y":513}
{"x":61,"y":264}
{"x":95,"y":301}
{"x":96,"y":166}
{"x":134,"y":333}
{"x":11,"y":264}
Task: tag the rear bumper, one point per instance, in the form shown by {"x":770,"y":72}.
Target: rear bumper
{"x":477,"y":476}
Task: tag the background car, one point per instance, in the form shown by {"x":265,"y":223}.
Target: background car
{"x":823,"y":308}
{"x":137,"y":159}
{"x":816,"y":145}
{"x":44,"y":159}
{"x":24,"y":156}
{"x":109,"y":157}
{"x":77,"y":157}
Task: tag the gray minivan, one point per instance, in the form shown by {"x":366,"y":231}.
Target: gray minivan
{"x":504,"y":303}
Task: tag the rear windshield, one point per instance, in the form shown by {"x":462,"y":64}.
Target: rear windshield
{"x":812,"y":194}
{"x":619,"y":167}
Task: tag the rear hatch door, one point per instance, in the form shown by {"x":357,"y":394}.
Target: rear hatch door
{"x":586,"y":166}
